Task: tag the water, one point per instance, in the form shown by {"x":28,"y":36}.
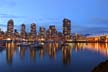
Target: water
{"x":80,"y":57}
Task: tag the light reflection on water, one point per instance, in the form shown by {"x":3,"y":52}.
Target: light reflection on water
{"x":53,"y":55}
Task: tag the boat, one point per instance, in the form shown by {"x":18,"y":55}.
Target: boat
{"x":2,"y":48}
{"x":36,"y":45}
{"x":23,"y":44}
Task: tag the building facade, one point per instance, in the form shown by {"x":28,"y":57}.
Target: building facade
{"x":66,"y":29}
{"x":23,"y":33}
{"x":10,"y":30}
{"x":32,"y":35}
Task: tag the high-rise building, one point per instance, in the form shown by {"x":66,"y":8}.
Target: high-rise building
{"x":42,"y":31}
{"x":23,"y":27}
{"x":42,"y":34}
{"x":66,"y":27}
{"x":16,"y":34}
{"x":10,"y":26}
{"x":53,"y":29}
{"x":1,"y":34}
{"x":10,"y":30}
{"x":52,"y":33}
{"x":23,"y":33}
{"x":33,"y":28}
{"x":32,"y":35}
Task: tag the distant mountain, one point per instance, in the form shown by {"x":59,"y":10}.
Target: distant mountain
{"x":87,"y":34}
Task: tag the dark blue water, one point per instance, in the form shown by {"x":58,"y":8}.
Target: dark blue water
{"x":75,"y":58}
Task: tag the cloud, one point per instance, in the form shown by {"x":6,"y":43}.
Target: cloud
{"x":3,"y":25}
{"x":30,"y":18}
{"x":40,"y":21}
{"x":101,"y":21}
{"x":92,"y":26}
{"x":7,"y":3}
{"x":93,"y":30}
{"x":2,"y":15}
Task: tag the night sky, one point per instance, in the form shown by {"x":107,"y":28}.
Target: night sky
{"x":87,"y":16}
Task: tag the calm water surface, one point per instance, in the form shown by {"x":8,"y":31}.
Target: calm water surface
{"x":80,"y":57}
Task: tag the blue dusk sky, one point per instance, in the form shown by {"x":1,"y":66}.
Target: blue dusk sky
{"x":87,"y":16}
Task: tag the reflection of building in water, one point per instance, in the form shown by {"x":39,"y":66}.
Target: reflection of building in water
{"x":102,"y":48}
{"x":51,"y":50}
{"x":66,"y":54}
{"x":10,"y":50}
{"x":22,"y":53}
{"x":9,"y":55}
{"x":98,"y":47}
{"x":11,"y":45}
{"x":32,"y":53}
{"x":41,"y":53}
{"x":79,"y":46}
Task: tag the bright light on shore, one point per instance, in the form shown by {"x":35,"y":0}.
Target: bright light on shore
{"x":8,"y":39}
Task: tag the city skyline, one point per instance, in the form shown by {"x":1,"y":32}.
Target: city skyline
{"x":86,"y":16}
{"x":11,"y":34}
{"x":11,"y":27}
{"x":53,"y":35}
